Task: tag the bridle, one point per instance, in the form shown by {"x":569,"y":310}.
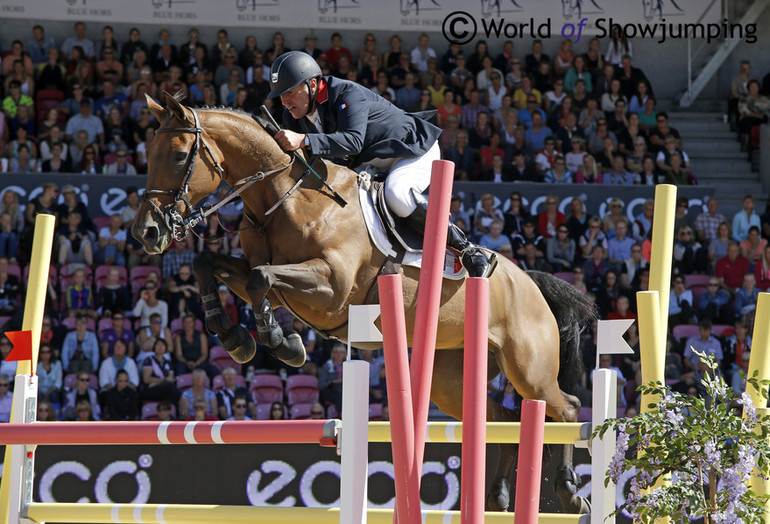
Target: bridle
{"x":179,"y":224}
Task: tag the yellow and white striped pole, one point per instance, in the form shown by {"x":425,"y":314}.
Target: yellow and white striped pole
{"x":760,"y":362}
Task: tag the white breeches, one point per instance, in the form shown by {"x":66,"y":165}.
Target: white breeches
{"x":404,"y":175}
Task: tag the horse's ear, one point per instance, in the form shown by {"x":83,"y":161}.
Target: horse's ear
{"x":155,"y":108}
{"x":176,"y":109}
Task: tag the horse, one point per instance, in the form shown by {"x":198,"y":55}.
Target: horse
{"x":654,"y":8}
{"x":307,"y":251}
{"x":570,"y":7}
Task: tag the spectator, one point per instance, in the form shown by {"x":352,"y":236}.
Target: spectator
{"x":731,"y":268}
{"x":753,"y":111}
{"x":81,"y":397}
{"x":680,"y":304}
{"x":85,"y":121}
{"x":739,"y":374}
{"x":706,"y":224}
{"x":745,"y":301}
{"x":50,"y":375}
{"x":45,"y":411}
{"x":128,"y":212}
{"x":619,"y":246}
{"x":330,"y":377}
{"x":592,"y":237}
{"x":561,"y":250}
{"x":495,"y":238}
{"x":10,"y":287}
{"x":148,"y":304}
{"x":174,"y":258}
{"x":191,"y":350}
{"x":422,"y":53}
{"x":487,"y":213}
{"x":122,"y":401}
{"x":158,"y":381}
{"x":39,"y":45}
{"x":80,"y":350}
{"x":706,"y":343}
{"x":112,"y":243}
{"x":277,"y":411}
{"x":559,"y":174}
{"x":151,"y":333}
{"x":737,"y":345}
{"x":714,"y":304}
{"x":232,"y":395}
{"x":165,"y":411}
{"x":199,"y":410}
{"x":185,"y":296}
{"x":79,"y":39}
{"x":240,"y":408}
{"x":595,"y":269}
{"x":762,"y":269}
{"x":632,"y":265}
{"x":521,"y":170}
{"x":15,"y":99}
{"x":618,"y":173}
{"x":689,"y":254}
{"x":678,"y":175}
{"x":79,"y":296}
{"x":333,"y":54}
{"x":545,"y":159}
{"x":622,"y":309}
{"x":134,"y":44}
{"x":744,"y":219}
{"x":528,"y":236}
{"x":657,"y":135}
{"x":753,"y":247}
{"x":198,"y":391}
{"x":114,"y":364}
{"x":112,"y":296}
{"x":117,"y":332}
{"x":718,"y":246}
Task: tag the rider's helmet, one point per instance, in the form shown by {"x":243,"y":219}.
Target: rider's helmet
{"x":290,"y":70}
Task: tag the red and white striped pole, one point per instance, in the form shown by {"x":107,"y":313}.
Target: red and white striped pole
{"x":429,"y":300}
{"x":399,"y":399}
{"x":530,"y":468}
{"x":472,"y":486}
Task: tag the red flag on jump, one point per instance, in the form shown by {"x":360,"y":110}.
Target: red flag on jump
{"x":22,"y":345}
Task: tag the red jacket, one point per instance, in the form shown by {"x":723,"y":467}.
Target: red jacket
{"x":732,"y":272}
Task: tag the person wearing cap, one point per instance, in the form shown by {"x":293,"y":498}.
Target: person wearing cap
{"x":336,"y":118}
{"x":310,"y":45}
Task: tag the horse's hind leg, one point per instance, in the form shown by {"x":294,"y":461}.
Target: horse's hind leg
{"x":447,"y":391}
{"x":209,"y":267}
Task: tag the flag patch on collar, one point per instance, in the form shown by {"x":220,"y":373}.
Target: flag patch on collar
{"x":343,"y":106}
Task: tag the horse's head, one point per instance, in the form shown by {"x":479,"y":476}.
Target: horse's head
{"x":648,"y":8}
{"x":566,"y":8}
{"x":183,"y":167}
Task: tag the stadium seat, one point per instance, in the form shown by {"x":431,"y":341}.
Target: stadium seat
{"x":104,"y":325}
{"x":695,"y":280}
{"x":71,"y":323}
{"x":567,"y":276}
{"x":49,"y":94}
{"x":138,"y":277}
{"x":68,"y":270}
{"x":302,"y":389}
{"x":685,"y":331}
{"x":184,"y":382}
{"x":266,"y":389}
{"x":722,"y":330}
{"x":15,"y":270}
{"x":331,"y":412}
{"x":300,"y":411}
{"x":100,"y":222}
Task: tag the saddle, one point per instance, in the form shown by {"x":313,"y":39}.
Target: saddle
{"x":393,"y":236}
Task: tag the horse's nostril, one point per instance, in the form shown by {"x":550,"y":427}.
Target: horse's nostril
{"x":151,"y":234}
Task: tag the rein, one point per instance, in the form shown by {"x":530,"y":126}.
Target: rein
{"x":180,"y":225}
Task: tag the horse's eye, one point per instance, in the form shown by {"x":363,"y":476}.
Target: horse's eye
{"x":180,"y":157}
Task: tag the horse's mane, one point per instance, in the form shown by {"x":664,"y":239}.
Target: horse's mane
{"x":179,"y":96}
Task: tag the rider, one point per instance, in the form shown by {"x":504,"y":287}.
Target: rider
{"x":337,"y":118}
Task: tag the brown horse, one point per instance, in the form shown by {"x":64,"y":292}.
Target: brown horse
{"x":313,"y":255}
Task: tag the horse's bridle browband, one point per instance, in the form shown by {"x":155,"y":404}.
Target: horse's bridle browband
{"x":179,"y":225}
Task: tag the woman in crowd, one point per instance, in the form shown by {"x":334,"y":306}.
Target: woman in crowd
{"x":158,"y":380}
{"x":689,"y":254}
{"x":50,"y":376}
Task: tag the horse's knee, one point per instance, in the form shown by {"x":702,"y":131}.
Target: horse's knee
{"x":258,"y":282}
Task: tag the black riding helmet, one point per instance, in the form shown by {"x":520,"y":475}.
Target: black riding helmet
{"x":290,"y":70}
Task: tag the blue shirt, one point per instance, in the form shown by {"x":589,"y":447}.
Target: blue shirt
{"x":536,"y":139}
{"x":742,"y":223}
{"x":711,"y":346}
{"x":620,"y":250}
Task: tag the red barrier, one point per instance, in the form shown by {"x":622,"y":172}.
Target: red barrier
{"x":475,"y":400}
{"x":148,"y":433}
{"x":429,"y":300}
{"x":399,"y":399}
{"x":530,"y":468}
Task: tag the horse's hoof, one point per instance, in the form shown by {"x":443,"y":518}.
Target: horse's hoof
{"x":499,"y":498}
{"x":291,"y":350}
{"x":566,"y":486}
{"x":239,"y":343}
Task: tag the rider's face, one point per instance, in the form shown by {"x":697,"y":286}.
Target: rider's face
{"x":297,"y":100}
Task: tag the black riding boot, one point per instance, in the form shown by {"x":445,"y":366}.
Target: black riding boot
{"x":479,"y":262}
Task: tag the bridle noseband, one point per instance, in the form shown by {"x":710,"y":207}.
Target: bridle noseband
{"x":175,"y":222}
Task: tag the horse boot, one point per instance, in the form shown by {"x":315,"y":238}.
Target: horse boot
{"x":289,"y":348}
{"x":236,"y":340}
{"x":479,"y":262}
{"x":566,"y":486}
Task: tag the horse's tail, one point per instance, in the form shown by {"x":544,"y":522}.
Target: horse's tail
{"x":573,"y":311}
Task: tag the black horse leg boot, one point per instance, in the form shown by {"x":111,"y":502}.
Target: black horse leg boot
{"x":289,"y":348}
{"x":479,"y":262}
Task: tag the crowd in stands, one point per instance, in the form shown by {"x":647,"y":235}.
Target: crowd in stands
{"x":123,"y":337}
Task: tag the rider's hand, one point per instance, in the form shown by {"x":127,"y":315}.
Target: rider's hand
{"x":289,"y":140}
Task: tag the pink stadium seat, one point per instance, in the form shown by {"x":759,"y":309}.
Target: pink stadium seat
{"x":15,"y":270}
{"x":331,"y":412}
{"x":302,"y":389}
{"x":722,"y":330}
{"x":104,"y":325}
{"x":184,"y":382}
{"x":695,"y":280}
{"x":266,"y":389}
{"x":70,"y":322}
{"x":100,"y":222}
{"x":300,"y":411}
{"x":685,"y":331}
{"x":176,"y":326}
{"x":66,"y":275}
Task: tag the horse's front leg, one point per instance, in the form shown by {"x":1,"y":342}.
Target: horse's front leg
{"x":309,"y":279}
{"x":234,"y":272}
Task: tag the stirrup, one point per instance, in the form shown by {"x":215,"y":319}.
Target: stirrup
{"x":478,"y":261}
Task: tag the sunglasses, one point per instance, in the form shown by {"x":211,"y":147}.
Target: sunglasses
{"x":4,"y":385}
{"x":240,"y":405}
{"x":84,"y":410}
{"x":84,"y":380}
{"x":316,"y":412}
